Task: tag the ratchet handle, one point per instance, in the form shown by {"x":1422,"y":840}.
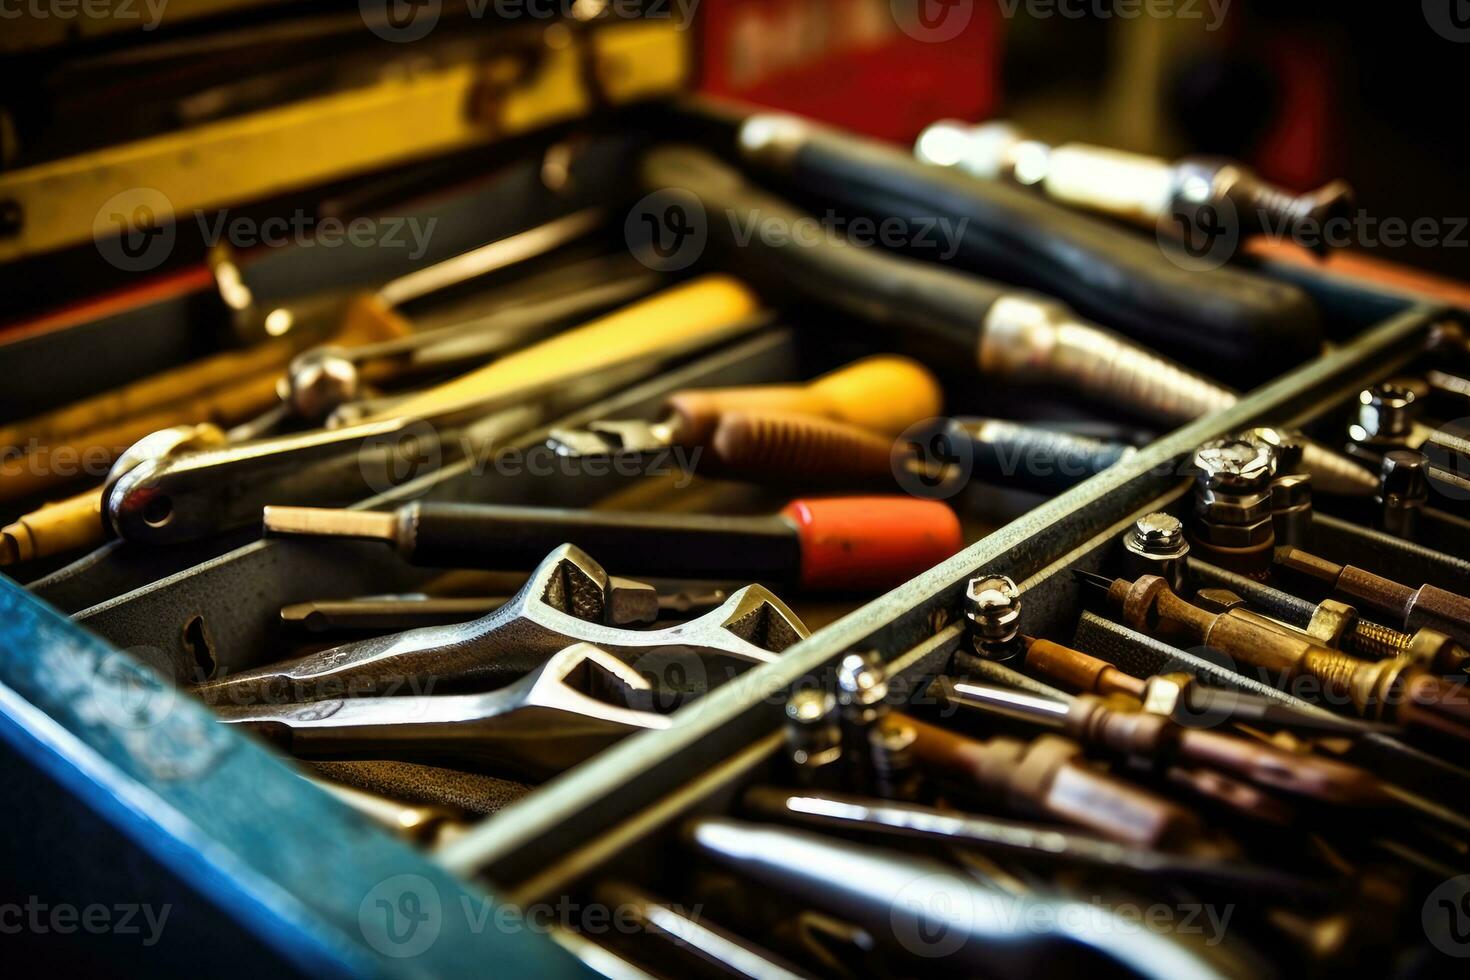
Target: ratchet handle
{"x":1222,"y":319}
{"x":884,"y":394}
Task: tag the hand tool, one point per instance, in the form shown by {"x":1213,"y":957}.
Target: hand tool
{"x":1338,"y":625}
{"x":76,"y":522}
{"x":993,"y":609}
{"x":1395,"y":691}
{"x":1143,"y":189}
{"x":1043,"y":844}
{"x":1033,"y":457}
{"x":319,"y":382}
{"x":836,"y":543}
{"x":707,"y":306}
{"x":1047,"y":777}
{"x":541,"y":725}
{"x":564,"y":602}
{"x":1223,"y":319}
{"x":1425,"y":607}
{"x":928,"y":907}
{"x":884,"y":394}
{"x":1180,"y":698}
{"x":1156,"y":545}
{"x":231,"y":398}
{"x":194,"y":495}
{"x":1144,"y":735}
{"x":382,"y":305}
{"x":392,"y":614}
{"x":705,"y":944}
{"x":1010,"y":335}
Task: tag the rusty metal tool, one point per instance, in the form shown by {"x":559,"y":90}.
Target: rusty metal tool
{"x":1181,"y":698}
{"x":1047,"y":777}
{"x":1427,"y":606}
{"x":566,"y":601}
{"x":1396,"y":690}
{"x":836,"y":543}
{"x":1142,"y":734}
{"x":561,"y":713}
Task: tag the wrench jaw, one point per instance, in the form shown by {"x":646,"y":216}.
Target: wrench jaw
{"x":569,"y":581}
{"x":542,"y":725}
{"x":756,"y":615}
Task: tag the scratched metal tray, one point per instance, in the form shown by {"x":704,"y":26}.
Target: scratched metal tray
{"x":127,"y":763}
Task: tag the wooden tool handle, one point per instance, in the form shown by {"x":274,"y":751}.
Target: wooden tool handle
{"x":706,"y":307}
{"x":884,"y":394}
{"x":791,"y":448}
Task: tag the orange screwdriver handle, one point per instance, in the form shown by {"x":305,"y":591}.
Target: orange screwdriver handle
{"x":870,"y":544}
{"x":884,"y":394}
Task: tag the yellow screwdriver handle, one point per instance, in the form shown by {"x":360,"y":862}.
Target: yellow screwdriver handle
{"x":705,"y":307}
{"x":884,"y":394}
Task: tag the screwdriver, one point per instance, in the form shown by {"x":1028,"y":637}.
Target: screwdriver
{"x":884,"y":394}
{"x":823,"y":544}
{"x":1132,"y":186}
{"x":1143,"y":735}
{"x":1179,"y":697}
{"x":1223,"y":319}
{"x":1428,"y":606}
{"x":1008,"y":334}
{"x":1394,"y":690}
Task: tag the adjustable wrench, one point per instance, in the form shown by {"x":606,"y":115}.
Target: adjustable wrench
{"x":544,"y":723}
{"x":564,"y":602}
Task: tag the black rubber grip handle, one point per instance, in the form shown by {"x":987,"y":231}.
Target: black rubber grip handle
{"x":1229,"y":322}
{"x":870,"y":283}
{"x":1033,"y":458}
{"x":675,"y":545}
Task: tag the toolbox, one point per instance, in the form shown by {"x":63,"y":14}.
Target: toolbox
{"x":126,"y":789}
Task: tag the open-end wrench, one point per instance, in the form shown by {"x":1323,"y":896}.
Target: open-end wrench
{"x":564,"y":602}
{"x":544,"y":723}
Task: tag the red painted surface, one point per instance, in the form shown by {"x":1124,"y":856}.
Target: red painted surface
{"x":871,"y":543}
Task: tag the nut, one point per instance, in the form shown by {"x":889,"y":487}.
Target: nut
{"x":1235,"y":466}
{"x":1294,"y":490}
{"x":1164,"y":693}
{"x":993,"y":607}
{"x":1237,"y":535}
{"x":1403,"y":479}
{"x":1332,"y":623}
{"x":1157,"y":536}
{"x":1217,"y":508}
{"x":1288,"y":445}
{"x":1385,"y":412}
{"x":1434,"y":651}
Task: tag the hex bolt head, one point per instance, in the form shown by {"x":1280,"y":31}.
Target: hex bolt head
{"x":1403,"y":477}
{"x":1287,"y":444}
{"x":1157,"y":534}
{"x":993,"y":607}
{"x":1235,"y":465}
